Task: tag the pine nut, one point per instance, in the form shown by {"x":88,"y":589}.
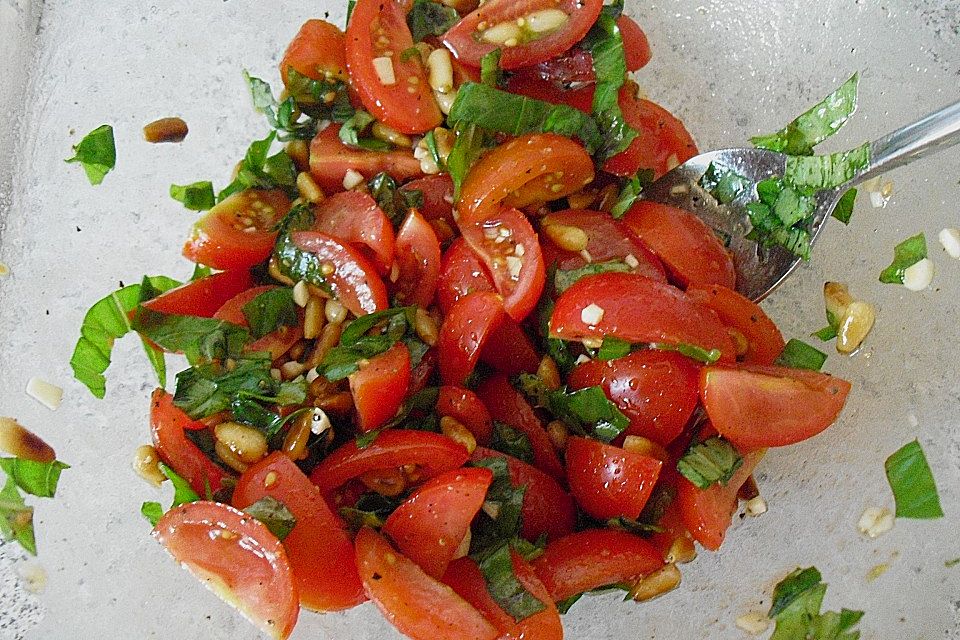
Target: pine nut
{"x":308,"y":188}
{"x":753,"y":623}
{"x":581,"y":200}
{"x":426,"y":327}
{"x":837,"y":298}
{"x":441,"y":70}
{"x":299,"y":152}
{"x":445,"y":140}
{"x":295,"y":442}
{"x":383,"y":132}
{"x":329,"y":337}
{"x":386,"y":482}
{"x":335,"y":312}
{"x":292,"y":369}
{"x":274,"y":270}
{"x":301,"y":294}
{"x":297,"y":349}
{"x":546,"y":20}
{"x":464,"y":549}
{"x":456,"y":431}
{"x":246,"y":442}
{"x":875,"y":521}
{"x":166,"y":130}
{"x":146,"y":462}
{"x":681,"y":550}
{"x":855,"y":324}
{"x":445,"y":101}
{"x":501,"y":33}
{"x":548,"y":373}
{"x":661,"y":581}
{"x":20,"y":442}
{"x":558,"y":433}
{"x":313,"y":318}
{"x":756,"y":506}
{"x":645,"y":447}
{"x":229,"y":458}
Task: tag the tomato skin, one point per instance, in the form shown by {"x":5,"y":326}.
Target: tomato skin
{"x":462,"y":272}
{"x":330,"y":160}
{"x":530,"y":83}
{"x":317,"y":51}
{"x":609,"y":482}
{"x":756,"y":406}
{"x":318,"y":547}
{"x":276,"y":342}
{"x":376,"y":28}
{"x":238,"y":557}
{"x":594,"y":558}
{"x":419,"y":606}
{"x":354,"y":281}
{"x":637,"y":309}
{"x":430,"y":525}
{"x":220,"y":238}
{"x":657,"y":390}
{"x":437,"y":193}
{"x":380,"y":386}
{"x":764,"y":341}
{"x":636,"y":47}
{"x":354,"y":217}
{"x":469,"y":49}
{"x":167,"y":424}
{"x":663,"y":139}
{"x":466,"y":329}
{"x":690,"y":249}
{"x":510,"y":350}
{"x":418,"y":259}
{"x":509,"y":406}
{"x":463,"y":575}
{"x":465,"y":407}
{"x":203,"y":297}
{"x":433,"y":452}
{"x":421,"y":374}
{"x":574,"y":67}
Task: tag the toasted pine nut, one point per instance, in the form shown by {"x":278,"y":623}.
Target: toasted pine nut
{"x":566,"y":237}
{"x":456,"y":431}
{"x":270,"y":479}
{"x":20,"y":442}
{"x":229,"y":458}
{"x":308,"y":188}
{"x":301,"y":294}
{"x":682,"y":550}
{"x":754,"y":623}
{"x":581,"y":200}
{"x":383,"y":132}
{"x":295,"y":442}
{"x":501,"y":33}
{"x":335,"y":311}
{"x":386,"y":482}
{"x":558,"y":433}
{"x":274,"y":270}
{"x":299,"y":152}
{"x":855,"y":324}
{"x":548,"y":372}
{"x":297,"y":349}
{"x":837,"y":298}
{"x":292,"y":369}
{"x":441,"y":70}
{"x":546,"y":20}
{"x":661,"y":581}
{"x":246,"y":442}
{"x":756,"y":506}
{"x":443,"y":230}
{"x":146,"y":462}
{"x":445,"y":100}
{"x":607,"y":197}
{"x":426,"y":327}
{"x":329,"y":337}
{"x":464,"y":548}
{"x":313,"y":318}
{"x":645,"y":447}
{"x":166,"y":130}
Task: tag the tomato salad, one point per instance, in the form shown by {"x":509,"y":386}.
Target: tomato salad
{"x":441,"y":356}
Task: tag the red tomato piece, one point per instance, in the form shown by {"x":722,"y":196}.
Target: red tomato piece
{"x":466,"y":38}
{"x":437,"y":193}
{"x":167,"y":424}
{"x":508,"y":246}
{"x":465,"y":407}
{"x":318,"y":547}
{"x":509,"y":406}
{"x":468,"y":326}
{"x":354,"y":217}
{"x":422,"y":373}
{"x":238,"y":232}
{"x":380,"y":386}
{"x":672,"y":529}
{"x":378,"y":29}
{"x":431,"y":452}
{"x":463,"y":575}
{"x":354,"y":280}
{"x":657,"y":390}
{"x":510,"y":350}
{"x":431,"y":524}
{"x":530,"y":83}
{"x":594,"y":558}
{"x":277,"y":342}
{"x":755,"y":407}
{"x":317,"y":51}
{"x":763,"y":338}
{"x":330,"y":160}
{"x":636,"y":47}
{"x":690,"y":249}
{"x":238,"y":558}
{"x":201,"y":297}
{"x":461,"y":272}
{"x":418,"y":261}
{"x":575,"y":67}
{"x":636,"y":309}
{"x":419,"y":606}
{"x":663,"y":142}
{"x":609,"y":482}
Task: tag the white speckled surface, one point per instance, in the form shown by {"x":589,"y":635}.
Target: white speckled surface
{"x":730,"y":68}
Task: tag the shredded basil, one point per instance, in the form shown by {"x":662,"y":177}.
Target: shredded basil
{"x":96,"y":153}
{"x":271,"y":310}
{"x":905,"y":255}
{"x":352,"y":133}
{"x":723,"y":183}
{"x":912,"y":483}
{"x":395,"y":202}
{"x":490,"y":72}
{"x":844,"y":209}
{"x":183,"y":493}
{"x":198,"y":196}
{"x":505,"y":501}
{"x":605,"y":44}
{"x":320,"y":99}
{"x":586,"y":411}
{"x":199,"y":339}
{"x":630,"y":192}
{"x":259,"y":170}
{"x":508,"y":440}
{"x":36,"y":478}
{"x":469,"y":145}
{"x":708,"y":462}
{"x":210,"y":388}
{"x":292,"y":261}
{"x":691,"y":351}
{"x":371,"y":510}
{"x":357,"y":343}
{"x":427,"y":18}
{"x":274,"y":515}
{"x":612,"y":348}
{"x":797,"y":354}
{"x":797,"y":600}
{"x":282,"y":116}
{"x":16,"y":518}
{"x":505,"y":588}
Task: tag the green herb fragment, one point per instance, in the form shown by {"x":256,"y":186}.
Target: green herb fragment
{"x":797,"y":354}
{"x":282,"y":116}
{"x":357,"y":343}
{"x":271,"y":310}
{"x":371,"y":510}
{"x":490,"y":72}
{"x":612,"y":348}
{"x":633,"y":526}
{"x":260,"y":170}
{"x":512,"y":442}
{"x":96,"y":153}
{"x":691,"y":351}
{"x":199,"y":339}
{"x":949,"y":564}
{"x":504,"y":502}
{"x":564,"y":605}
{"x":392,"y":200}
{"x":844,"y":209}
{"x":630,"y":192}
{"x":911,"y":480}
{"x":827,"y":172}
{"x":505,"y":588}
{"x":351,"y":133}
{"x":605,"y":44}
{"x":351,"y":5}
{"x":905,"y":255}
{"x":292,"y":261}
{"x":320,"y":99}
{"x":723,"y":183}
{"x":36,"y":478}
{"x":826,"y":334}
{"x":705,"y":463}
{"x":565,"y":278}
{"x":274,"y":514}
{"x":198,"y":196}
{"x":470,"y":143}
{"x":183,"y":493}
{"x":586,"y":411}
{"x":16,"y":518}
{"x":207,"y":389}
{"x":427,"y":18}
{"x":251,"y":412}
{"x":430,"y":139}
{"x":152,"y":511}
{"x":796,"y":610}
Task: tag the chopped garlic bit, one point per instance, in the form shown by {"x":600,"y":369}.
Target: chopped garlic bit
{"x":631,"y":261}
{"x":756,"y":507}
{"x":753,"y":623}
{"x":880,"y":191}
{"x":950,"y":239}
{"x":918,"y":277}
{"x":384,"y":68}
{"x":320,"y":422}
{"x":351,"y":179}
{"x":875,"y":521}
{"x":582,"y":358}
{"x":592,"y":314}
{"x":49,"y":395}
{"x":34,"y":576}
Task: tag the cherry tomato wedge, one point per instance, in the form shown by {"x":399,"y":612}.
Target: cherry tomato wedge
{"x":465,"y":407}
{"x":636,"y":47}
{"x":354,"y":280}
{"x":468,"y":326}
{"x":379,"y":387}
{"x":764,"y":342}
{"x":167,"y":424}
{"x":690,"y":249}
{"x":463,"y":575}
{"x":431,"y":524}
{"x":317,"y":51}
{"x":510,"y":350}
{"x":609,"y":482}
{"x":238,"y":558}
{"x":330,"y":160}
{"x":354,"y":217}
{"x":318,"y":547}
{"x":663,"y":142}
{"x":202,"y":297}
{"x":238,"y":232}
{"x":461,"y":272}
{"x":418,"y":261}
{"x":437,"y":193}
{"x":594,"y":558}
{"x":276,"y":342}
{"x":542,"y":37}
{"x":530,"y":83}
{"x":419,"y":606}
{"x":755,"y":407}
{"x":636,"y":309}
{"x":377,"y":31}
{"x":573,"y":68}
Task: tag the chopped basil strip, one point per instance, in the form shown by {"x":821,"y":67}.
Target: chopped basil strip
{"x":36,"y":478}
{"x":797,"y":600}
{"x":912,"y":483}
{"x":320,"y":99}
{"x":505,"y":588}
{"x":630,"y":192}
{"x":16,"y":518}
{"x":827,"y":172}
{"x":430,"y":139}
{"x":605,"y":44}
{"x":292,"y":261}
{"x":949,"y":564}
{"x":689,"y":350}
{"x":274,"y":514}
{"x":371,"y":510}
{"x":183,"y":493}
{"x":705,"y":463}
{"x":199,"y":339}
{"x":586,"y":411}
{"x":508,"y":440}
{"x":560,"y":350}
{"x":490,"y":72}
{"x":723,"y":183}
{"x":251,"y":412}
{"x":357,"y":343}
{"x":844,"y":209}
{"x":96,"y":153}
{"x":612,"y":348}
{"x":207,"y":389}
{"x":499,"y":519}
{"x":351,"y":133}
{"x":797,"y":354}
{"x":284,"y":116}
{"x":565,"y":278}
{"x":392,"y":200}
{"x":826,"y":334}
{"x":470,"y":143}
{"x":633,"y":526}
{"x":427,"y":18}
{"x":905,"y":255}
{"x":564,"y":605}
{"x":152,"y":511}
{"x":259,"y":170}
{"x":271,"y":310}
{"x":198,"y":196}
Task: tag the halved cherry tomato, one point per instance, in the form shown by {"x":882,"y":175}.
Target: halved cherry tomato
{"x":530,"y":169}
{"x":690,"y":249}
{"x":276,"y":342}
{"x":463,"y":575}
{"x":671,"y":529}
{"x":657,"y":390}
{"x":238,"y":232}
{"x":508,"y":405}
{"x":465,"y":407}
{"x":636,"y":47}
{"x":378,"y":29}
{"x":508,"y":246}
{"x":706,"y":513}
{"x":461,"y":272}
{"x":238,"y":558}
{"x":547,"y":509}
{"x":663,"y":142}
{"x":431,"y":452}
{"x":637,"y":309}
{"x":317,"y":51}
{"x":529,"y":83}
{"x":466,"y":38}
{"x":754,"y":406}
{"x":573,"y":68}
{"x":354,"y":280}
{"x":763,"y":339}
{"x":418,"y":261}
{"x":422,"y":373}
{"x":379,"y":387}
{"x":430,"y":525}
{"x":437,"y":193}
{"x":330,"y":160}
{"x":355,"y":217}
{"x":609,"y":482}
{"x":594,"y":558}
{"x":318,"y":547}
{"x":468,"y":326}
{"x":202,"y":297}
{"x":510,"y":350}
{"x":167,"y":424}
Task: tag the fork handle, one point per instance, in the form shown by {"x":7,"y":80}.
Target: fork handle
{"x":935,"y":132}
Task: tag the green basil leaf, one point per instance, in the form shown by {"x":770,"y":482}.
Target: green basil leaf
{"x":723,"y":183}
{"x":16,"y":518}
{"x":827,"y":172}
{"x":152,"y":511}
{"x":605,"y":44}
{"x":500,"y":519}
{"x":563,"y":279}
{"x":468,"y":146}
{"x":505,"y":588}
{"x":796,"y":609}
{"x":199,"y":339}
{"x":183,"y":493}
{"x":691,"y":351}
{"x":826,"y":334}
{"x":705,"y":463}
{"x":371,"y":510}
{"x":271,"y":310}
{"x":911,"y":480}
{"x":427,"y":18}
{"x":490,"y":72}
{"x":586,"y":411}
{"x":797,"y":354}
{"x":274,"y":514}
{"x":207,"y":389}
{"x":358,"y":329}
{"x":630,"y":192}
{"x":612,"y":348}
{"x":198,"y":196}
{"x":320,"y":99}
{"x":96,"y":153}
{"x":430,"y":139}
{"x":793,"y":587}
{"x":292,"y":261}
{"x":905,"y":255}
{"x":633,"y":526}
{"x":564,"y":605}
{"x":351,"y":133}
{"x":395,"y":202}
{"x":508,"y":440}
{"x":36,"y":478}
{"x":259,"y":170}
{"x":280,"y":116}
{"x":251,"y":412}
{"x":844,"y":209}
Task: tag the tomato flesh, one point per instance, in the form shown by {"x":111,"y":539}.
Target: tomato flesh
{"x":330,"y":160}
{"x":663,"y":142}
{"x":609,"y":482}
{"x":354,"y":217}
{"x":276,"y":342}
{"x":379,"y":387}
{"x":465,"y":407}
{"x":763,"y":339}
{"x":510,"y":350}
{"x":202,"y":297}
{"x":354,"y":279}
{"x":317,"y":51}
{"x":636,"y":47}
{"x":468,"y":326}
{"x":418,"y":261}
{"x":462,"y":272}
{"x":167,"y":424}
